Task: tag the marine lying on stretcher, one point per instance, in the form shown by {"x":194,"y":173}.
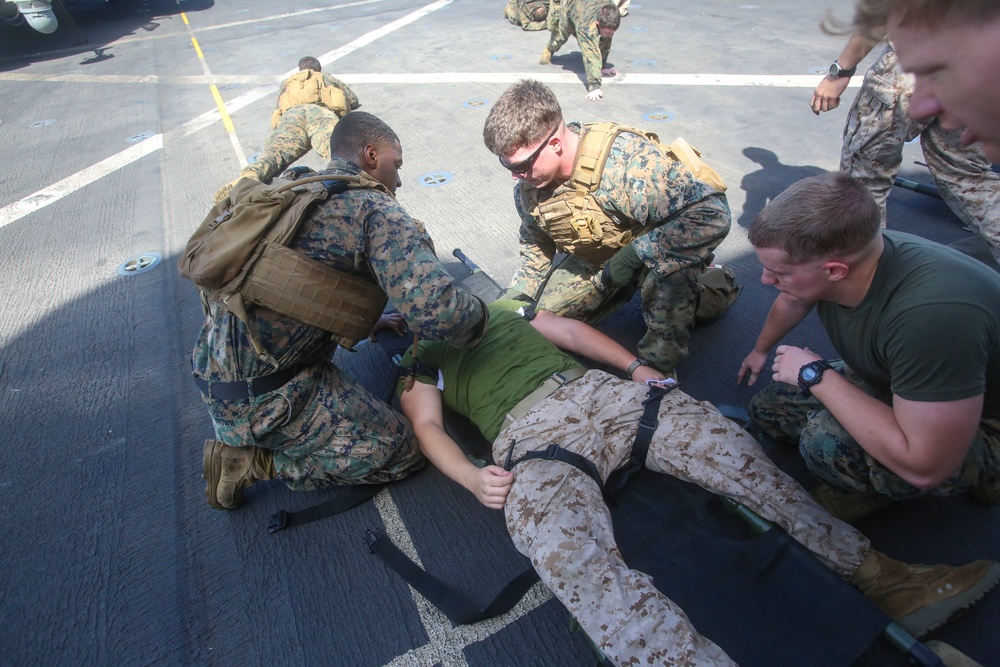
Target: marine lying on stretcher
{"x":525,"y":395}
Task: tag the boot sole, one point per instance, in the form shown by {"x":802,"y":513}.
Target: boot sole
{"x":212,"y":472}
{"x":920,"y":622}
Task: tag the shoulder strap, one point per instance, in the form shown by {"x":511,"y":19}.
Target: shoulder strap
{"x":595,"y":144}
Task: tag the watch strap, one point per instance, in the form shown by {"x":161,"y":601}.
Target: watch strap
{"x":820,"y":366}
{"x":840,"y":72}
{"x":639,"y":361}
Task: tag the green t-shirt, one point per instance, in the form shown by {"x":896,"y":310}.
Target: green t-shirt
{"x":929,"y":327}
{"x":510,"y":362}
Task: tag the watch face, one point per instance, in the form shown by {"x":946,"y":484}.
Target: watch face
{"x":808,"y":374}
{"x":834,"y":69}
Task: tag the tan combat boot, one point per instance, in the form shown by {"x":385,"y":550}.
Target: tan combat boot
{"x":546,"y":58}
{"x":950,"y":656}
{"x":224,"y":191}
{"x":229,"y":471}
{"x":922,"y":597}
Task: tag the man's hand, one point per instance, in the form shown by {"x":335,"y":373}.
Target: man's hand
{"x":788,"y":360}
{"x":643,"y":373}
{"x":826,"y":97}
{"x":392,"y":321}
{"x":490,"y":485}
{"x":751,"y":367}
{"x":609,"y":72}
{"x":595,"y":95}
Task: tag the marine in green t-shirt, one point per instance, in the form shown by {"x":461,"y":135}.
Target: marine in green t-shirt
{"x":483,"y":383}
{"x":914,"y":407}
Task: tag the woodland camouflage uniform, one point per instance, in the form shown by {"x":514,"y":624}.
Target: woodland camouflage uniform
{"x":323,"y":426}
{"x":879,"y":125}
{"x":522,"y":13}
{"x":301,"y":128}
{"x":639,"y":184}
{"x":578,"y":18}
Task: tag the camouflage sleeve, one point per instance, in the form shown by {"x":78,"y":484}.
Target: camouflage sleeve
{"x":605,"y":45}
{"x":592,"y":52}
{"x":536,"y":248}
{"x":642,"y":184}
{"x":401,"y":258}
{"x":352,"y":99}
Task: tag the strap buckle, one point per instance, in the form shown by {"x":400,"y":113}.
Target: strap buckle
{"x":277,"y":521}
{"x":649,"y":423}
{"x":371,"y":537}
{"x":552,"y":452}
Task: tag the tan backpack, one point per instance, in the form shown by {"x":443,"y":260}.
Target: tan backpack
{"x":309,"y":87}
{"x":239,"y":255}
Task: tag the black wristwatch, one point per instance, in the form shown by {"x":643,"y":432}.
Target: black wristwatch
{"x":838,"y":72}
{"x":811,"y":374}
{"x":639,"y":361}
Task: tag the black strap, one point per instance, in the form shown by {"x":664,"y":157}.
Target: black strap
{"x":453,"y":605}
{"x":349,"y":497}
{"x":556,"y":453}
{"x":243,"y":389}
{"x":643,"y":436}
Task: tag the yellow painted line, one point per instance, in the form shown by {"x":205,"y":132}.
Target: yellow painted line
{"x":227,"y":120}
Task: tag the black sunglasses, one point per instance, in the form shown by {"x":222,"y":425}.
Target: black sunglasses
{"x":525,"y":165}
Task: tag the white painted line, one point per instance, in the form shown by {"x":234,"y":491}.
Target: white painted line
{"x":364,"y":40}
{"x":286,"y":15}
{"x":624,"y":79}
{"x":70,"y":184}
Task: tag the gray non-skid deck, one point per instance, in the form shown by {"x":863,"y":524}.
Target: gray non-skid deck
{"x":113,"y":150}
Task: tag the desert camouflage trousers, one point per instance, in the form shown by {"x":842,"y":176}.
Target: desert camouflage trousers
{"x":300,"y":128}
{"x":878,"y":126}
{"x":669,"y":305}
{"x":325,"y":429}
{"x":557,"y":517}
{"x":832,"y":455}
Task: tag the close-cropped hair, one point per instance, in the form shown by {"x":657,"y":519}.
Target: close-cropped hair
{"x":871,"y":16}
{"x":821,"y":216}
{"x":608,"y":16}
{"x":359,"y":129}
{"x":310,"y":63}
{"x":524,"y":114}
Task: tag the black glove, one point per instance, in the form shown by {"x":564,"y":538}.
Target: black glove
{"x":620,"y":270}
